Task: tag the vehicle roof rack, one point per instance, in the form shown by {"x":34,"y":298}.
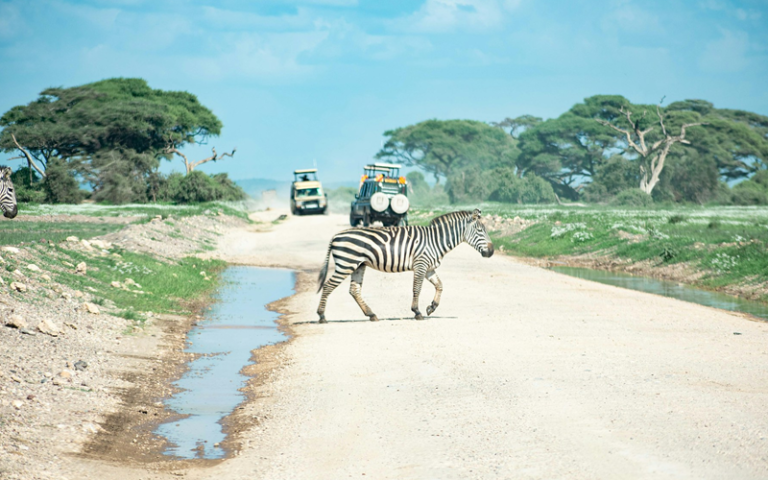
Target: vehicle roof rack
{"x":306,"y":170}
{"x":383,"y":165}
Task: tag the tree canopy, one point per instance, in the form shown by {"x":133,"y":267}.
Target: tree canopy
{"x":700,"y":141}
{"x":441,"y":147}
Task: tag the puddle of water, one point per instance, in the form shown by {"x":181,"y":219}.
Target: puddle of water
{"x":670,"y":289}
{"x":233,"y":326}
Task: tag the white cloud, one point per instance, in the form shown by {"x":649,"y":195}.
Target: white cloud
{"x":726,"y":54}
{"x":445,"y":16}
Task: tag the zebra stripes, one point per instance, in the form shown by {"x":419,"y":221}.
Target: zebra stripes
{"x":400,"y":249}
{"x":7,"y":195}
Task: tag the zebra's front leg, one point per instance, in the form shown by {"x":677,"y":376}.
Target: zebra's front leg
{"x":435,"y":280}
{"x":355,"y":289}
{"x":418,"y":279}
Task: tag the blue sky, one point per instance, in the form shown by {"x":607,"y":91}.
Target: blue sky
{"x":297,"y":81}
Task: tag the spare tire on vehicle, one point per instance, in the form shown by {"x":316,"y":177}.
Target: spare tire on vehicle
{"x":400,"y":204}
{"x":379,"y":202}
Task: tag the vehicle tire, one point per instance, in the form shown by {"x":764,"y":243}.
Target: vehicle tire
{"x":366,"y":220}
{"x":353,"y":220}
{"x":326,"y":211}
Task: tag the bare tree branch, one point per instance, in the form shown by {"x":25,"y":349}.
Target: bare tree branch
{"x":28,"y":156}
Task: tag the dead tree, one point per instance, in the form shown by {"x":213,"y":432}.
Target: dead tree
{"x":191,"y":165}
{"x":653,"y":156}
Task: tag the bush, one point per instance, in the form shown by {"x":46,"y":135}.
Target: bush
{"x":60,"y":184}
{"x":633,"y":197}
{"x":27,"y":185}
{"x":529,"y":189}
{"x":197,"y":187}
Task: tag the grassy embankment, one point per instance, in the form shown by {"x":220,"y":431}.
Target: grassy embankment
{"x":728,"y":246}
{"x":168,"y":286}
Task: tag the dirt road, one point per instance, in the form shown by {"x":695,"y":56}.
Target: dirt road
{"x":521,"y":373}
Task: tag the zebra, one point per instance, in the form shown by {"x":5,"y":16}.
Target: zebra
{"x":400,"y":249}
{"x":7,"y":195}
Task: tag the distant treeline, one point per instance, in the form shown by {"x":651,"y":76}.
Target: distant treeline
{"x":604,"y":150}
{"x":111,"y":137}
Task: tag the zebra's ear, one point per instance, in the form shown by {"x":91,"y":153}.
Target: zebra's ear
{"x":476,"y":214}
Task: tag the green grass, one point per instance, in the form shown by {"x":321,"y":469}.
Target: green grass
{"x":730,"y":244}
{"x":169,"y":287}
{"x":237,"y":209}
{"x":13,"y":233}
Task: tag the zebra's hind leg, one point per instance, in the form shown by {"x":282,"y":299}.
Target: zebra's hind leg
{"x":355,"y":289}
{"x":435,"y":280}
{"x":329,"y":286}
{"x":418,"y":279}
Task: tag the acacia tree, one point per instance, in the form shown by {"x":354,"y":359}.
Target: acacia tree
{"x":440,"y":147}
{"x":653,"y":155}
{"x":572,"y":150}
{"x":122,"y":116}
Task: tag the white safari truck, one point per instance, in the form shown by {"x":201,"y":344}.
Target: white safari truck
{"x":307,"y":195}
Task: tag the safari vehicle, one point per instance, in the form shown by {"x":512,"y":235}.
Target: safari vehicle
{"x":382,"y":197}
{"x":307,"y":194}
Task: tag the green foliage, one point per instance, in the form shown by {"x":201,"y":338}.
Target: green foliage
{"x":422,"y":195}
{"x":633,"y":197}
{"x":677,"y":218}
{"x":574,"y":146}
{"x":60,"y":185}
{"x":27,"y":185}
{"x":442,"y":147}
{"x":472,"y":185}
{"x":197,"y":187}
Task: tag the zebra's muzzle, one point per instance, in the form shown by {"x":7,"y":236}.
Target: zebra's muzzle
{"x":488,"y":252}
{"x":11,"y":212}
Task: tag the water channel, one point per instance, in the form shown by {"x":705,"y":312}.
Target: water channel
{"x":237,"y":323}
{"x":670,"y":289}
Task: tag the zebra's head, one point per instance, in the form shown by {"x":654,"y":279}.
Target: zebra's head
{"x":476,"y":235}
{"x":7,"y":195}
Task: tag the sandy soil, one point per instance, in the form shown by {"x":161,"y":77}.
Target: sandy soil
{"x":521,"y":373}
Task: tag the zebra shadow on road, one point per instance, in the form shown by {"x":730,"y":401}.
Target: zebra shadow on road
{"x":365,"y":320}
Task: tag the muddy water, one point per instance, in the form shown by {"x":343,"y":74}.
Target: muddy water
{"x":233,"y":326}
{"x":670,"y":289}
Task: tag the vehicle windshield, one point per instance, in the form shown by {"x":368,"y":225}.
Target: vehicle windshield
{"x":308,"y":192}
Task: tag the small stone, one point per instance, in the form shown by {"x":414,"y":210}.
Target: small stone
{"x":81,"y":268}
{"x":2,"y":260}
{"x":80,"y":365}
{"x":73,"y":239}
{"x":15,"y":379}
{"x":19,"y":287}
{"x":27,"y":331}
{"x":30,"y":396}
{"x":16,"y":321}
{"x":17,"y":273}
{"x":71,"y":325}
{"x":48,"y":327}
{"x":11,"y":249}
{"x":101,"y":244}
{"x":92,"y":308}
{"x":67,"y":264}
{"x":2,"y":282}
{"x":56,"y":382}
{"x":90,"y":428}
{"x":116,"y":284}
{"x":66,"y":374}
{"x":32,"y":267}
{"x":66,"y":296}
{"x":17,"y":404}
{"x":45,"y":277}
{"x":78,"y":294}
{"x":129,"y":281}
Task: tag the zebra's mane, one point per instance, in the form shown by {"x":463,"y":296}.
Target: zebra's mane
{"x":462,"y":214}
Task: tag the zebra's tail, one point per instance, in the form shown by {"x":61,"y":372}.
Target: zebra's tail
{"x":324,"y":270}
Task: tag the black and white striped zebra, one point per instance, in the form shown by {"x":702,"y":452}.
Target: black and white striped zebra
{"x":7,"y":194}
{"x":400,"y":249}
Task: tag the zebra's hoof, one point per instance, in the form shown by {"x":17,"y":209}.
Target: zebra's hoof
{"x":374,"y":318}
{"x":431,"y":308}
{"x":322,"y":320}
{"x":419,"y":316}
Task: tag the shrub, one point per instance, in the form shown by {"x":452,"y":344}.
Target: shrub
{"x":197,"y":187}
{"x":27,"y":185}
{"x":60,"y":184}
{"x":633,"y":197}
